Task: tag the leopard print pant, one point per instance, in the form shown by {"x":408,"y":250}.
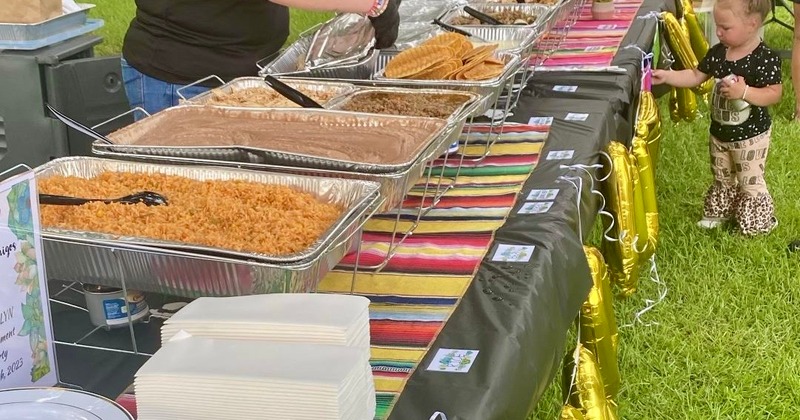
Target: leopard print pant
{"x":740,"y":191}
{"x":755,"y":215}
{"x":720,"y":201}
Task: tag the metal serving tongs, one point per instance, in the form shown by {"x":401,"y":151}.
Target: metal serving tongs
{"x":147,"y":198}
{"x":467,"y":34}
{"x":78,"y":126}
{"x":483,"y":17}
{"x":290,"y":93}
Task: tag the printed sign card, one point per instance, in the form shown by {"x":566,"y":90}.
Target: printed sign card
{"x":26,"y":336}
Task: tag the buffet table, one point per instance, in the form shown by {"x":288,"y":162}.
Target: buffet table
{"x":494,"y":274}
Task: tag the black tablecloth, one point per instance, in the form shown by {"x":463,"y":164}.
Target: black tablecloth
{"x":516,"y":314}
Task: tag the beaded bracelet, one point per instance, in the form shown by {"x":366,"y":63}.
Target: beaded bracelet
{"x":378,"y":7}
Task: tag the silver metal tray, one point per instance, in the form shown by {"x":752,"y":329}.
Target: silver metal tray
{"x":393,"y":186}
{"x":178,"y":273}
{"x":489,"y":89}
{"x":427,"y":11}
{"x":325,"y":88}
{"x":509,"y":40}
{"x":543,"y":13}
{"x":50,"y":27}
{"x":292,"y":59}
{"x":355,"y":197}
{"x":470,"y":100}
{"x":330,"y":128}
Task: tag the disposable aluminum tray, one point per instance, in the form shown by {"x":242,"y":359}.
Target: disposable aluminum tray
{"x":393,"y":186}
{"x":355,"y":197}
{"x":489,"y":89}
{"x":332,"y":89}
{"x":418,"y":11}
{"x":288,"y":63}
{"x":333,"y":125}
{"x":543,"y":13}
{"x":470,"y":100}
{"x":34,"y":31}
{"x":520,"y":40}
{"x":176,"y":273}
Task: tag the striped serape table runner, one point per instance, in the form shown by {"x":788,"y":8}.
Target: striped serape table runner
{"x":414,"y":295}
{"x":590,"y":45}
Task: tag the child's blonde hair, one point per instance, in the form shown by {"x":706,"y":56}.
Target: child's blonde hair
{"x":762,"y":8}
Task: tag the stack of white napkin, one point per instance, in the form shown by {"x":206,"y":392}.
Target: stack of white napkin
{"x":277,"y":356}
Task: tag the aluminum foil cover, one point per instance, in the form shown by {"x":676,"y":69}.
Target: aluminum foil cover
{"x":345,"y":38}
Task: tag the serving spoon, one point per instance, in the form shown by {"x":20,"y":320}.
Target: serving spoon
{"x":483,"y":17}
{"x":291,"y":93}
{"x":147,"y":198}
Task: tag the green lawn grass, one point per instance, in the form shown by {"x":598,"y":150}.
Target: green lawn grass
{"x":727,"y":339}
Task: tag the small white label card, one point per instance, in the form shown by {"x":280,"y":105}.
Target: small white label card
{"x":607,"y":27}
{"x":536,"y":207}
{"x":543,"y":195}
{"x":565,"y":88}
{"x":548,"y":121}
{"x":576,"y":116}
{"x":593,"y":48}
{"x":26,"y":336}
{"x":513,"y":253}
{"x":453,"y":360}
{"x":560,"y":154}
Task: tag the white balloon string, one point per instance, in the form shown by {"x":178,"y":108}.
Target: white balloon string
{"x":576,"y":357}
{"x":662,"y":291}
{"x":578,"y":192}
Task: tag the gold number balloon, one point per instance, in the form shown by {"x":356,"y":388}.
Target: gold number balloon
{"x":622,"y":258}
{"x":571,"y":413}
{"x":687,"y":104}
{"x":648,"y":124}
{"x":674,"y":110}
{"x":639,"y":218}
{"x":678,"y":42}
{"x":648,"y":187}
{"x":598,"y":324}
{"x":587,"y":392}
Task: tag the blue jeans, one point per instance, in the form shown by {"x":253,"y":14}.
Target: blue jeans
{"x":151,"y":94}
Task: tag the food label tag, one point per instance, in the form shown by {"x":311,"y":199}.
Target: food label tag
{"x":513,"y":253}
{"x":576,"y":116}
{"x":453,"y":360}
{"x":560,"y":154}
{"x":542,"y":195}
{"x":536,"y":207}
{"x":564,"y":88}
{"x":548,"y":121}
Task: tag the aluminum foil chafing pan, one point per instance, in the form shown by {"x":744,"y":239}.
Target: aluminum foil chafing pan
{"x":319,"y":139}
{"x":542,"y":12}
{"x":393,"y":186}
{"x":321,"y":91}
{"x":355,"y":197}
{"x":488,"y":89}
{"x":509,"y":40}
{"x":19,"y":32}
{"x":291,"y":61}
{"x":468,"y":100}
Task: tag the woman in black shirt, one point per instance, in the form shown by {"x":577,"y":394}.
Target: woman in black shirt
{"x":172,"y":43}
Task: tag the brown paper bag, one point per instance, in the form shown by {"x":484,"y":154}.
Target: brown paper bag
{"x":29,"y":11}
